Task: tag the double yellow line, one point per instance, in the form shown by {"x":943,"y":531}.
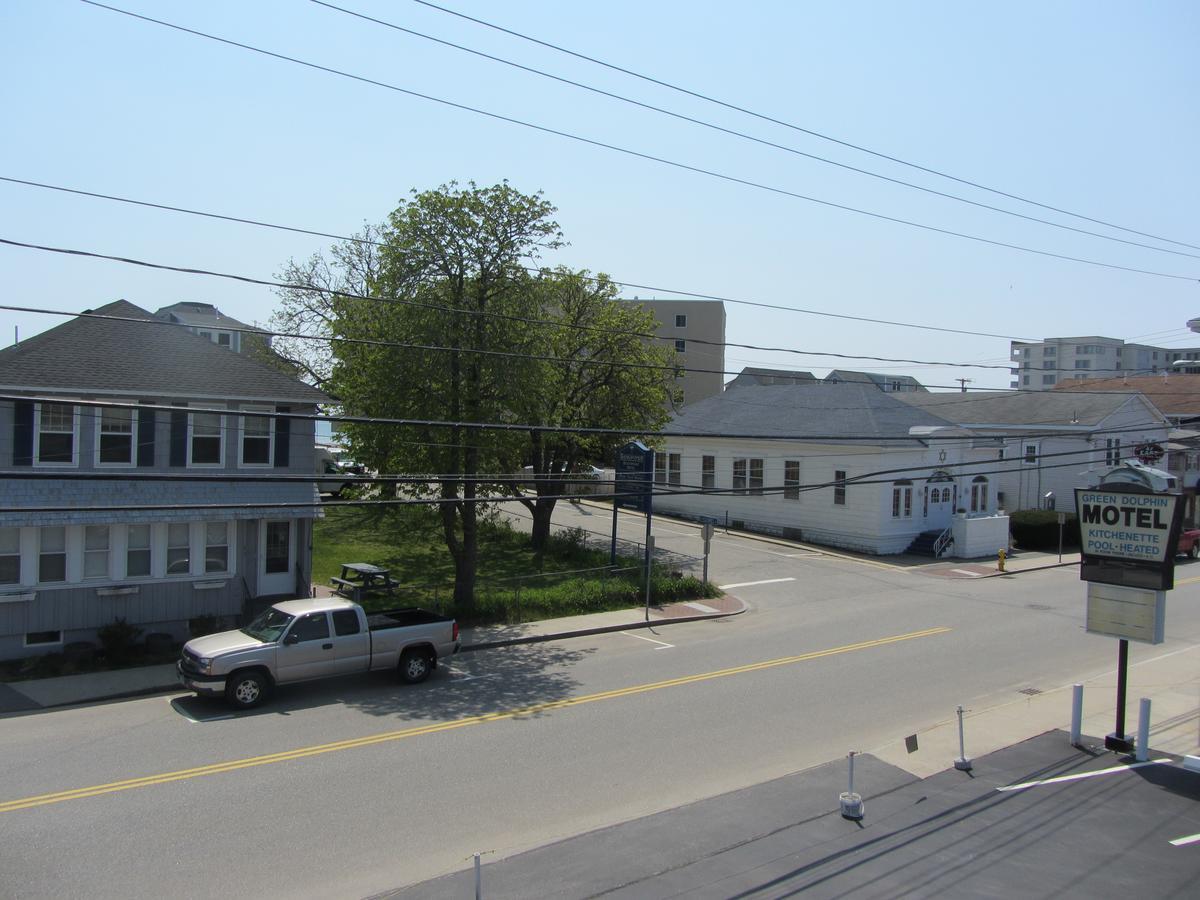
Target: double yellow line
{"x":354,"y":743}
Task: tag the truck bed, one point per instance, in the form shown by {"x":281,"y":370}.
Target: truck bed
{"x":397,"y":618}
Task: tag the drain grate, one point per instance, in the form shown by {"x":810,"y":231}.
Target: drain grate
{"x":1037,"y":606}
{"x":1031,"y":692}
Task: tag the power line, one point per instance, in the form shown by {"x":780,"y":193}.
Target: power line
{"x":747,"y":137}
{"x":776,"y":121}
{"x":639,"y":154}
{"x":625,"y":284}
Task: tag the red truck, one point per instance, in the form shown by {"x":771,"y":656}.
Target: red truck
{"x":1189,"y":543}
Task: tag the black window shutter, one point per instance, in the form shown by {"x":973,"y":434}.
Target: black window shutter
{"x":145,"y":430}
{"x":283,"y":438}
{"x":23,"y":433}
{"x":179,"y":422}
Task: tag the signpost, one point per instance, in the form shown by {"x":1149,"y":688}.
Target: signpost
{"x":1128,"y":535}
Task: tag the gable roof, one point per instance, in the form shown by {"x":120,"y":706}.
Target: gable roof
{"x":96,"y":356}
{"x":1018,"y":408}
{"x":851,"y":376}
{"x":807,"y":411}
{"x":200,"y":315}
{"x":1175,"y":395}
{"x":758,"y":375}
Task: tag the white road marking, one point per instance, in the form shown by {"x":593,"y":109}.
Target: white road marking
{"x":726,"y":587}
{"x":179,"y":708}
{"x":965,"y":572}
{"x":700,"y":607}
{"x":465,"y":676}
{"x":663,"y":645}
{"x":1062,"y":778}
{"x":1183,"y":841}
{"x":793,"y":555}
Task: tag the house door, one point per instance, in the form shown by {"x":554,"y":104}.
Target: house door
{"x":939,"y":504}
{"x":276,"y":557}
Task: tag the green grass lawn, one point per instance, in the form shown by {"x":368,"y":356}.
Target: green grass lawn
{"x":408,"y":541}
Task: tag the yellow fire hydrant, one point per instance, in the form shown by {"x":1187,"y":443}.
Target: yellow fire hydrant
{"x":1002,"y":555}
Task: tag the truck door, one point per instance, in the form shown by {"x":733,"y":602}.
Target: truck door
{"x":307,"y":650}
{"x":351,"y":644}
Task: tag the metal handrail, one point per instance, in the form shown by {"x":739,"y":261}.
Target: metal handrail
{"x":944,"y":540}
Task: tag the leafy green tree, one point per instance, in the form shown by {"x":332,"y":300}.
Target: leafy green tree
{"x":454,"y":278}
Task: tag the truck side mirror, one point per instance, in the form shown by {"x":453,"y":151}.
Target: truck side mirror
{"x":292,"y":639}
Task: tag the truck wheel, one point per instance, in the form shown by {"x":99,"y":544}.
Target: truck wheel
{"x":245,"y":690}
{"x":414,"y":666}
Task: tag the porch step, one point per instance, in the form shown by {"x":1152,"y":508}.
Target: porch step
{"x":923,"y":544}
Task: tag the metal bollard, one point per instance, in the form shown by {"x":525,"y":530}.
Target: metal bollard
{"x":1002,"y":555}
{"x":851,"y":803}
{"x":1142,"y":751}
{"x":1076,"y":715}
{"x":963,"y":764}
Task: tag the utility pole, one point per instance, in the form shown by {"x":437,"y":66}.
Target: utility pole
{"x":964,"y":382}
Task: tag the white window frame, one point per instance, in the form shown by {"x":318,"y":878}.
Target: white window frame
{"x":16,"y":529}
{"x":681,"y":320}
{"x":791,"y":486}
{"x":708,"y":471}
{"x":133,"y":440}
{"x":191,"y":441}
{"x":58,"y":643}
{"x":263,"y":412}
{"x":201,"y":530}
{"x":680,"y":345}
{"x":740,"y":480}
{"x":125,"y":550}
{"x":37,"y":436}
{"x":1025,"y":454}
{"x":902,"y":500}
{"x":675,"y":469}
{"x":168,"y":547}
{"x":979,"y":494}
{"x":754,"y":483}
{"x":66,"y":554}
{"x":839,"y":486}
{"x":107,"y":551}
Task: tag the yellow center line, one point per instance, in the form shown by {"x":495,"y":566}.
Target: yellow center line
{"x":1187,"y":581}
{"x":354,"y":743}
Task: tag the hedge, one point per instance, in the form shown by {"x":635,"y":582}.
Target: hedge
{"x":1037,"y":529}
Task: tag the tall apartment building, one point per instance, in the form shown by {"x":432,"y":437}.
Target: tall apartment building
{"x":687,"y":323}
{"x":1041,"y":365}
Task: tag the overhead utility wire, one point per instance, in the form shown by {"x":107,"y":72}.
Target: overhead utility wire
{"x":640,"y":155}
{"x":1052,"y":429}
{"x":817,"y":134}
{"x":530,"y":269}
{"x":494,"y":498}
{"x":747,"y":137}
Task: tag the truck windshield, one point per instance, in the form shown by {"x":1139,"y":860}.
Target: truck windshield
{"x":268,"y":626}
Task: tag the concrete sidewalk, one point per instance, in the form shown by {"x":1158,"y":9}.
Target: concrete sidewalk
{"x":95,"y":687}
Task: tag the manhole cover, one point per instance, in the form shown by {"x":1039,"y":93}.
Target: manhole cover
{"x":1029,"y":691}
{"x":1037,"y":606}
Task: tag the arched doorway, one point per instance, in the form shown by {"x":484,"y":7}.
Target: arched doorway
{"x":939,"y":500}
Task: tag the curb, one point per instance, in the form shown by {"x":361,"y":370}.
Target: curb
{"x":1031,"y":569}
{"x":600,"y":629}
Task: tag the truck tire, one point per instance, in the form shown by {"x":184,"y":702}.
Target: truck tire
{"x":246,"y":689}
{"x":415,"y":666}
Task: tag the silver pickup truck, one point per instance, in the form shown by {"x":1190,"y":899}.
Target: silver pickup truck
{"x":300,"y":640}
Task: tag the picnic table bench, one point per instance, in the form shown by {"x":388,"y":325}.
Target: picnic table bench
{"x":361,"y":579}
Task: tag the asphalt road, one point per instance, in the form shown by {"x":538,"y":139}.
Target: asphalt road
{"x":356,"y":787}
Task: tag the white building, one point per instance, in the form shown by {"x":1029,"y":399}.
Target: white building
{"x":1042,"y":365}
{"x":851,"y":466}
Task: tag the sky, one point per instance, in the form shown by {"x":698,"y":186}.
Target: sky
{"x":1085,"y":106}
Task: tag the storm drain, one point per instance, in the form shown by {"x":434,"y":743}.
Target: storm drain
{"x":1030,"y":692}
{"x":1036,"y":606}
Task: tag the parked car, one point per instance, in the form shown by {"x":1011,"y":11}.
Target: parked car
{"x":333,"y":480}
{"x":1189,"y":542}
{"x":303,"y":640}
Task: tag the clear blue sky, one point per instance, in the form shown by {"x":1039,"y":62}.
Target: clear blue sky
{"x":1090,"y":106}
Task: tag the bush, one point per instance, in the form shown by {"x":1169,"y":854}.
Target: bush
{"x":202,"y":625}
{"x":1037,"y":529}
{"x":118,"y":639}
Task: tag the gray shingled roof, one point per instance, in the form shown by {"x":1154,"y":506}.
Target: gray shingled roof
{"x":95,"y":356}
{"x":850,"y":411}
{"x":1007,"y":408}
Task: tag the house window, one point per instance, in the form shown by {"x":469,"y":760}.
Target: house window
{"x":1049,"y":379}
{"x":674,"y":465}
{"x":1024,"y":379}
{"x":791,"y":479}
{"x":95,"y":551}
{"x":739,"y":476}
{"x":216,"y":547}
{"x":116,"y":436}
{"x":1112,"y":451}
{"x":278,"y":551}
{"x":1049,"y":364}
{"x":1049,"y":351}
{"x":680,"y":345}
{"x":902,"y":500}
{"x":137,"y":553}
{"x":205,"y":447}
{"x":1031,"y":453}
{"x":681,"y":321}
{"x":42,"y":638}
{"x":756,"y":476}
{"x":10,"y":555}
{"x":660,"y":468}
{"x":52,"y":555}
{"x":839,"y":487}
{"x":979,"y":494}
{"x":179,"y":557}
{"x":708,"y":471}
{"x":224,"y":339}
{"x":256,"y":440}
{"x":1083,"y":363}
{"x":55,"y":434}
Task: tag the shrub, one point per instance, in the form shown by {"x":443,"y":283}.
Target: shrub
{"x":1037,"y":529}
{"x":118,"y":639}
{"x":202,"y":625}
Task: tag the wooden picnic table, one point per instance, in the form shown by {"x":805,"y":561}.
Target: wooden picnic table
{"x":360,"y":579}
